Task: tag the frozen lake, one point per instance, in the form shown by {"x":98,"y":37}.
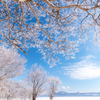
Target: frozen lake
{"x":69,"y":98}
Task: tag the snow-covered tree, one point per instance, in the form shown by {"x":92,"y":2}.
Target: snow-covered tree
{"x":10,"y":90}
{"x":11,"y":63}
{"x":53,"y":26}
{"x":37,"y":79}
{"x":53,"y":83}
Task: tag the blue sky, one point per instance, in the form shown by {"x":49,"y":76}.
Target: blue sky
{"x":81,"y":74}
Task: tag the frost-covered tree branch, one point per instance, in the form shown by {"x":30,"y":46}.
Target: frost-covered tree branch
{"x":53,"y":26}
{"x":11,"y":64}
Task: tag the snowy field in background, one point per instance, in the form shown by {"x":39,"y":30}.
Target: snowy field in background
{"x":63,"y":98}
{"x":69,"y":98}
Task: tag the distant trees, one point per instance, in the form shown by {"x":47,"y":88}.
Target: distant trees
{"x":11,"y":63}
{"x":52,"y":26}
{"x":37,"y":79}
{"x":53,"y":83}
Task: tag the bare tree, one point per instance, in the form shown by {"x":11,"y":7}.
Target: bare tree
{"x":53,"y":26}
{"x":11,"y":63}
{"x":37,"y":79}
{"x":54,"y":82}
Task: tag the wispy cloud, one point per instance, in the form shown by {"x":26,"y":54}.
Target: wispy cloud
{"x":87,"y":68}
{"x":65,"y":88}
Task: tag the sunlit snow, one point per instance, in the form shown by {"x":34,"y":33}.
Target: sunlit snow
{"x":65,"y":98}
{"x":70,"y":98}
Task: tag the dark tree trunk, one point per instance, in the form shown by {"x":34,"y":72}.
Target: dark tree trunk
{"x":34,"y":97}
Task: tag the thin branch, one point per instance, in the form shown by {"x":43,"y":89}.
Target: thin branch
{"x":13,"y":42}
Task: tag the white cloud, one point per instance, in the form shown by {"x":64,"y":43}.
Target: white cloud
{"x":87,"y":68}
{"x":65,"y":88}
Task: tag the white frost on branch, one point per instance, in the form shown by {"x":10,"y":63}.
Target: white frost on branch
{"x":53,"y":26}
{"x":11,"y":63}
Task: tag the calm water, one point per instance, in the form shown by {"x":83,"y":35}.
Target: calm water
{"x":69,"y":98}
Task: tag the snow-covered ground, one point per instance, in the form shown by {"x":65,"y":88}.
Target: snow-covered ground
{"x":63,"y":98}
{"x":69,"y":98}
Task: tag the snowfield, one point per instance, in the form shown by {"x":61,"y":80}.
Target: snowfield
{"x":69,"y":98}
{"x":63,"y":98}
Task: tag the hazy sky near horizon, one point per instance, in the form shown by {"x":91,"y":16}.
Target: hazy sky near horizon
{"x":81,"y":74}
